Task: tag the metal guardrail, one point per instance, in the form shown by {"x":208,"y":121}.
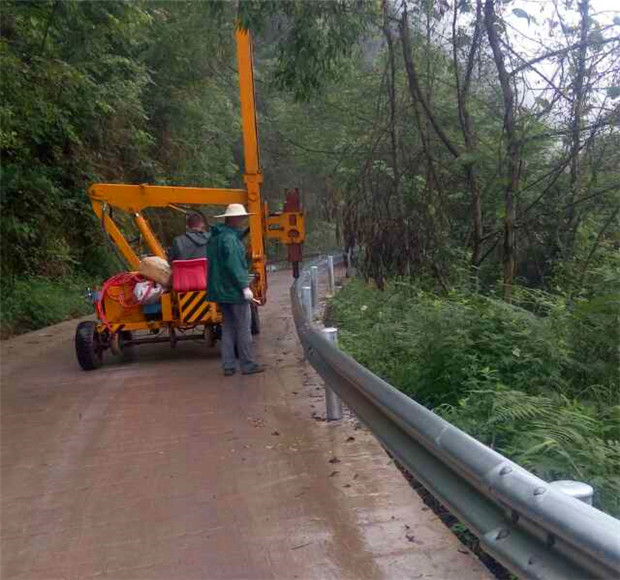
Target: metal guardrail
{"x":522,"y":521}
{"x":283,"y":263}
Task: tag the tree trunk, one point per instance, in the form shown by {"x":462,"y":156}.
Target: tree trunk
{"x":578,"y":102}
{"x":414,"y":84}
{"x":387,"y":31}
{"x":462,"y":91}
{"x":512,"y":148}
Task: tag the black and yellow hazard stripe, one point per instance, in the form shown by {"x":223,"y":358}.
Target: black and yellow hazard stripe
{"x":193,"y":306}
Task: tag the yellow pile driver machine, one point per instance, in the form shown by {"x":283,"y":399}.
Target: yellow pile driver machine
{"x":181,"y":316}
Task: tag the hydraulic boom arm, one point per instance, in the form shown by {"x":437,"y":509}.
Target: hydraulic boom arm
{"x":287,"y":226}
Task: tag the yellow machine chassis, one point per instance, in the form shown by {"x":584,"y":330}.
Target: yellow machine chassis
{"x":287,"y":226}
{"x":179,"y":310}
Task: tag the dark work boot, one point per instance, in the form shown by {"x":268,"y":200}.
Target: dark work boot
{"x":253,"y":369}
{"x":229,"y":372}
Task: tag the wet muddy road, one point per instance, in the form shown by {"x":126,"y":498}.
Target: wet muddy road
{"x":161,"y":468}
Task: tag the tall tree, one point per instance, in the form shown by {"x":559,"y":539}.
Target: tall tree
{"x":463,"y":86}
{"x":512,"y":146}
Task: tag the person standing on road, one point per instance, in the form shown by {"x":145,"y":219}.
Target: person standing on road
{"x":193,"y":243}
{"x":229,"y":286}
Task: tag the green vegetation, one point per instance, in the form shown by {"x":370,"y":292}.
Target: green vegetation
{"x":136,"y":92}
{"x":34,"y":302}
{"x":88,"y":96}
{"x":536,"y":380}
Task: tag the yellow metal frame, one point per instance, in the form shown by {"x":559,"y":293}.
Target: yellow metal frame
{"x":287,"y":227}
{"x":176,"y":313}
{"x":133,"y":199}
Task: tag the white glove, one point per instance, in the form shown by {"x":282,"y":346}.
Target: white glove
{"x":248,"y":295}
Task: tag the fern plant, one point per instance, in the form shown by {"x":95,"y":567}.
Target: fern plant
{"x":537,"y":381}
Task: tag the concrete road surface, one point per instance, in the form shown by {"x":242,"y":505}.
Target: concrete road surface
{"x":161,"y":468}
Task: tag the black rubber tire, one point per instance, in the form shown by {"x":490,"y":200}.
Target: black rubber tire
{"x":255,"y":320}
{"x":126,"y":336}
{"x":87,"y":348}
{"x":210,"y":335}
{"x":127,"y":350}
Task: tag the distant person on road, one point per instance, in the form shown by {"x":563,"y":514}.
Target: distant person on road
{"x":229,"y":286}
{"x":193,"y":243}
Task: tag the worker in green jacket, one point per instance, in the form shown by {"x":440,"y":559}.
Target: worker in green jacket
{"x":229,"y":286}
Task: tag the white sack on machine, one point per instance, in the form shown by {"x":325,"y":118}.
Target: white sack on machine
{"x":156,"y":269}
{"x":148,"y":292}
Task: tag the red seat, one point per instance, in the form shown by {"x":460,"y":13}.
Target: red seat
{"x":189,"y":275}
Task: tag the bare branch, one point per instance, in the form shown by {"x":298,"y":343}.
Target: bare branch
{"x":414,"y":84}
{"x":562,"y":51}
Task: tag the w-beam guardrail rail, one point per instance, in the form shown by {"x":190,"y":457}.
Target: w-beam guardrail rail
{"x":532,"y":529}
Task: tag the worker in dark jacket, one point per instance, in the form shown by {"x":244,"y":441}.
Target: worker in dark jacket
{"x":229,"y":286}
{"x":193,"y":243}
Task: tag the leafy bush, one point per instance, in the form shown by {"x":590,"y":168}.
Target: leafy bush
{"x":536,"y":380}
{"x":321,"y":237}
{"x":551,"y":435}
{"x":31,"y":303}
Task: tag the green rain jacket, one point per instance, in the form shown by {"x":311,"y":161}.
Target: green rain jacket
{"x":228,"y":267}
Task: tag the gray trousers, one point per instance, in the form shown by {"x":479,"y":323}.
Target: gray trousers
{"x":236,"y":332}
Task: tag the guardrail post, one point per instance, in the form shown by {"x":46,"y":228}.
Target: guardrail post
{"x":314,"y":285}
{"x":577,"y":489}
{"x":331,"y":280}
{"x":333,"y":404}
{"x":306,"y":300}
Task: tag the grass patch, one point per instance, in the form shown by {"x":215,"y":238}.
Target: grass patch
{"x":537,"y":380}
{"x":30,"y":303}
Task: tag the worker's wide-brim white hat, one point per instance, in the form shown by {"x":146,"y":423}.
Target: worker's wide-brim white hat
{"x":234,"y":210}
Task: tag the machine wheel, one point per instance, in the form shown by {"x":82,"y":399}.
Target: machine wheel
{"x":255,"y":319}
{"x":210,"y":335}
{"x":88,"y":346}
{"x":119,"y":343}
{"x":127,"y":350}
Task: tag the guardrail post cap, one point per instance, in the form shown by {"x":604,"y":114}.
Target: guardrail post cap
{"x":331,"y":334}
{"x":577,"y":489}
